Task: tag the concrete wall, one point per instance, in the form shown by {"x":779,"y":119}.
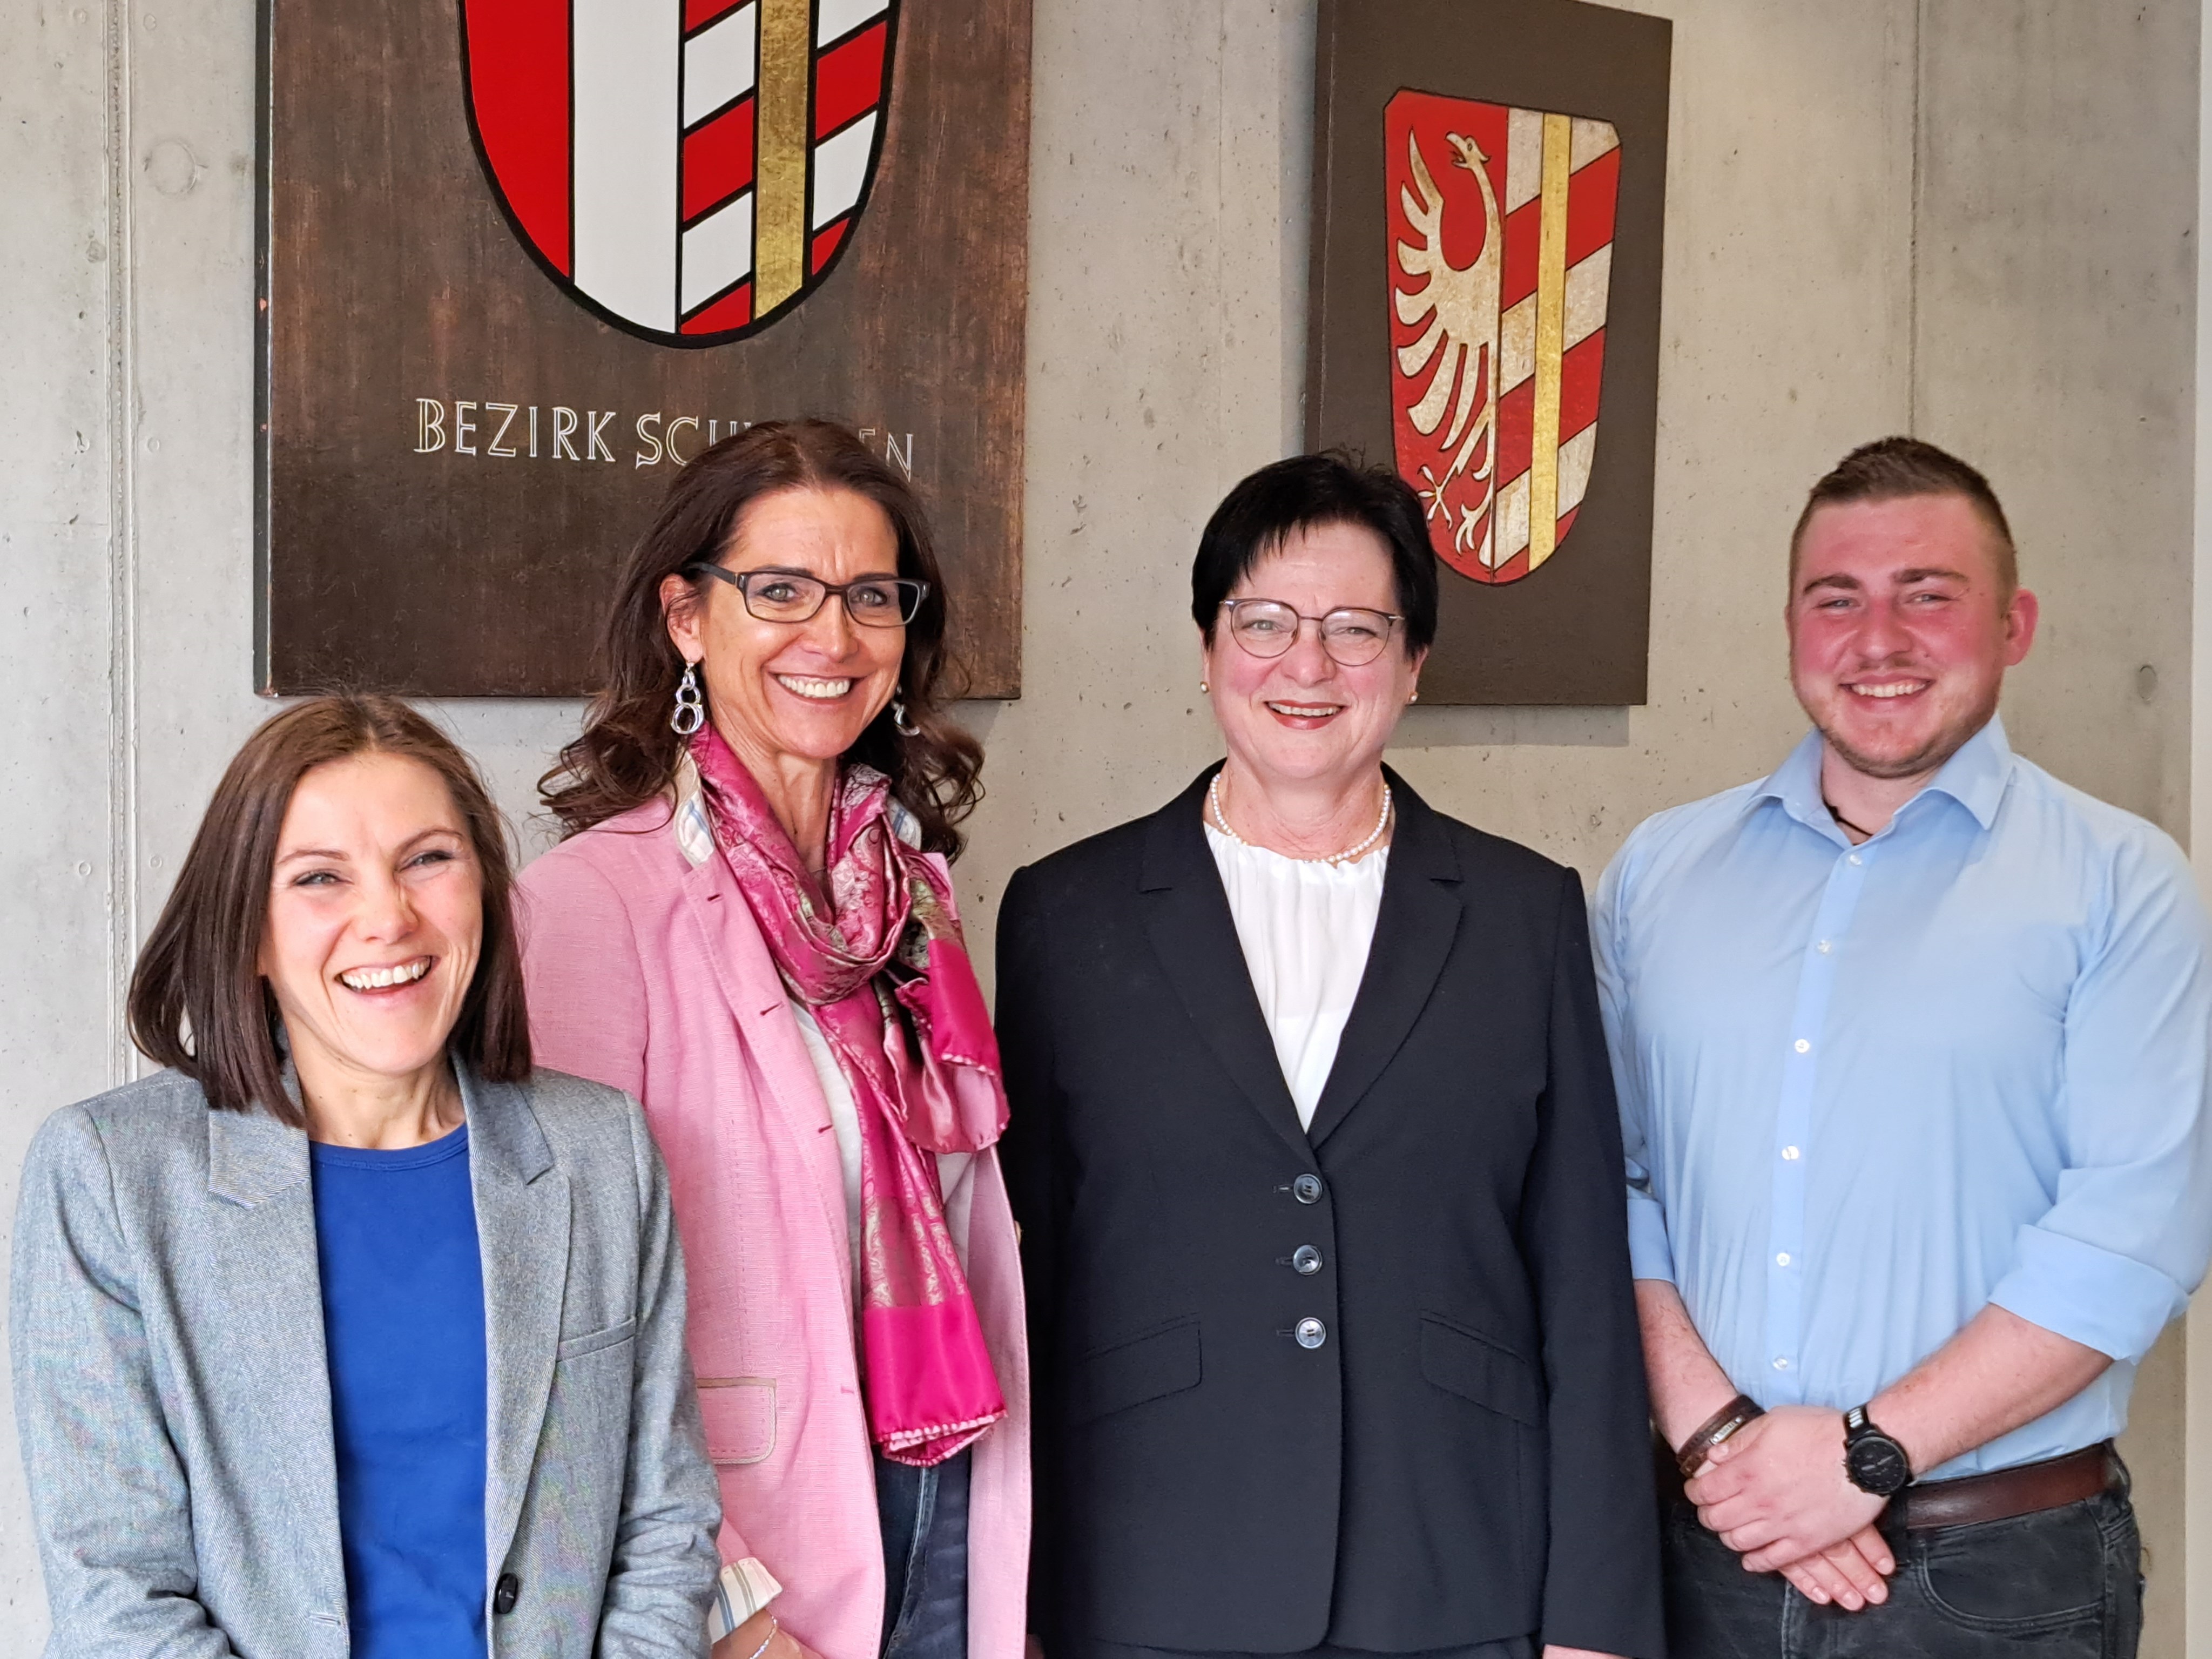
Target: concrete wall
{"x":2197,"y":1460}
{"x":1882,"y":214}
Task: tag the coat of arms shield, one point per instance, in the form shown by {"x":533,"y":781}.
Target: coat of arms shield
{"x":1490,"y":187}
{"x":690,"y":170}
{"x":1500,"y":233}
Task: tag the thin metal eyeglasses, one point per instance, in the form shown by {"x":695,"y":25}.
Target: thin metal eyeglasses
{"x":793,"y":596}
{"x":1352,"y":636}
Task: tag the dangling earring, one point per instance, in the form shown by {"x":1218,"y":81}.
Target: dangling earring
{"x":899,"y":722}
{"x":690,"y":707}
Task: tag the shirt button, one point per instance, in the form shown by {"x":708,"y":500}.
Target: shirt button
{"x":1791,"y":1154}
{"x":1781,"y":1259}
{"x":1824,"y":946}
{"x":1306,"y":1189}
{"x":1782,"y":1362}
{"x":1306,"y":1259}
{"x":1803,"y":1047}
{"x":1311,"y":1332}
{"x":1855,"y":858}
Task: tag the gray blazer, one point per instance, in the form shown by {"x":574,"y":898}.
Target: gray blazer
{"x":173,"y":1396}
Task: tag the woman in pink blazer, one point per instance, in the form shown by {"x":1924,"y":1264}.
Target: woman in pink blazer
{"x":751,"y":927}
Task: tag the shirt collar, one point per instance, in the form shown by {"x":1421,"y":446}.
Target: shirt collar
{"x":1975,"y":777}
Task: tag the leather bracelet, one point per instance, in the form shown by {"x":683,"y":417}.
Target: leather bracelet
{"x":774,"y":1626}
{"x":1715,"y":1430}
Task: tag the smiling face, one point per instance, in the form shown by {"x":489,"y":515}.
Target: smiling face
{"x":376,"y":920}
{"x":793,"y":690}
{"x":1900,"y":630}
{"x":1303,"y":718}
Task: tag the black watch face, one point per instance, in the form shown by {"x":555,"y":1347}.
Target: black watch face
{"x":1877,"y":1464}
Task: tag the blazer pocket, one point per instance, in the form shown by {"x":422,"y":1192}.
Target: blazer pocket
{"x":1475,"y":1367}
{"x":591,"y":1341}
{"x":739,"y":1415}
{"x":1162,"y":1361}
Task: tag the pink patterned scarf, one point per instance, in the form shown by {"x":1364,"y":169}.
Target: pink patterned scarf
{"x":889,"y":981}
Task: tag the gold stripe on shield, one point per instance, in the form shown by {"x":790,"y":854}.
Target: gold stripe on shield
{"x":1551,"y":340}
{"x":780,"y":204}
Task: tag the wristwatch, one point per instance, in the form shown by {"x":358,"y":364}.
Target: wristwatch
{"x":1875,"y":1463}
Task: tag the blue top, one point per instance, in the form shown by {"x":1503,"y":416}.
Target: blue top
{"x":1865,"y":1091}
{"x":404,"y":1321}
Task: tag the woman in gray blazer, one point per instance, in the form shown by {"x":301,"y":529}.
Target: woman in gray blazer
{"x":350,"y":1333}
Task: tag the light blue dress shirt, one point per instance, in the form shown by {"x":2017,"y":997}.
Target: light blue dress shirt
{"x":1866,"y":1091}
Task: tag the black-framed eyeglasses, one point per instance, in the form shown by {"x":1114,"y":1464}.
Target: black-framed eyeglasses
{"x":793,"y":596}
{"x":1352,"y":636}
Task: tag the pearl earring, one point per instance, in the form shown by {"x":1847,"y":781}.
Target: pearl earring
{"x":1204,"y":687}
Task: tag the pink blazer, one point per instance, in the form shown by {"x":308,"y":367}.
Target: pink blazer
{"x":647,"y":972}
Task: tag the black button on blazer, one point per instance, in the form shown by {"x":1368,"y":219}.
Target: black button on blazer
{"x":1377,"y":1383}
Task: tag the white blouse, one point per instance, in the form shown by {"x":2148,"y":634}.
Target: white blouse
{"x":1306,"y":927}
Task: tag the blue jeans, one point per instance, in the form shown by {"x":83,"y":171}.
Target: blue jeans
{"x":925,"y":1524}
{"x":2063,"y":1584}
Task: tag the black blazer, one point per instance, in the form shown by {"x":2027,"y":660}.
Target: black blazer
{"x":1466,"y":1454}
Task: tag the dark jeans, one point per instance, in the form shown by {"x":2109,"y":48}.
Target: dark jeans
{"x":1517,"y":1647}
{"x":925,"y":1523}
{"x":2064,"y":1583}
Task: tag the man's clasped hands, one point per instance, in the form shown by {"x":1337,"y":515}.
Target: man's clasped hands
{"x":1776,"y":1493}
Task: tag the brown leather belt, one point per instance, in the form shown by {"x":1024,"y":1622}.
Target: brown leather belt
{"x":2025,"y":1490}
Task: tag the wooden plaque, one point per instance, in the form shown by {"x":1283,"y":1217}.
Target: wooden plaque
{"x":1489,"y":196}
{"x":519,"y":259}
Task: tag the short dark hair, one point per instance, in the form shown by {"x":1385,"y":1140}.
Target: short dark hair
{"x":1307,"y":492}
{"x":627,"y":754}
{"x":1894,"y":469}
{"x":197,"y":1000}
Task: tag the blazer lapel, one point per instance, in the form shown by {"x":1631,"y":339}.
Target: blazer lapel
{"x":522,"y":1235}
{"x":752,"y":989}
{"x":252,"y":1157}
{"x":272,"y":1309}
{"x":1413,"y":932}
{"x":1196,"y":937}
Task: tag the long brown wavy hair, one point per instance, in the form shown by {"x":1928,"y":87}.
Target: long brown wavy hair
{"x":627,"y":754}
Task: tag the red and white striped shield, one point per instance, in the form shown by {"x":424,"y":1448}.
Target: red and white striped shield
{"x":689,"y":169}
{"x":1501,"y":259}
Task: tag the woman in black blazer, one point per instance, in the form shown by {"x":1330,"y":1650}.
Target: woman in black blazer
{"x":1315,"y":1155}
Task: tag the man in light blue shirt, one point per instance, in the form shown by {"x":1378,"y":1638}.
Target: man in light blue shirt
{"x":1912,"y":1044}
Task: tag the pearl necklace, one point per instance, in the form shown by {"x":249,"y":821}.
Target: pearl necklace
{"x":1350,"y":856}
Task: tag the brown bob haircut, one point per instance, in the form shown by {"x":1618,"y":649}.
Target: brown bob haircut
{"x":627,"y":754}
{"x":197,"y":1000}
{"x":1894,"y":469}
